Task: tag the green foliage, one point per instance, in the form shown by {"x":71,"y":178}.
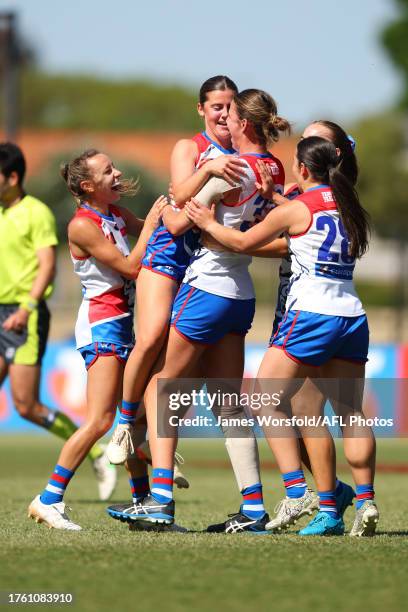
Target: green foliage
{"x":382,"y":156}
{"x":49,"y":187}
{"x":395,"y":41}
{"x":377,"y":294}
{"x":86,"y":102}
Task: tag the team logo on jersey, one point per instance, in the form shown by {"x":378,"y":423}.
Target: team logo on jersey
{"x":327,"y":196}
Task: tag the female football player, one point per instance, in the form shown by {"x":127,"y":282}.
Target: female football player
{"x":325,"y":325}
{"x":168,"y":254}
{"x":100,"y":253}
{"x":215,"y":305}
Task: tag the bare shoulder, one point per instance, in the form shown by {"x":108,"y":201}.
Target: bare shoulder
{"x":79,"y":227}
{"x":185,"y":147}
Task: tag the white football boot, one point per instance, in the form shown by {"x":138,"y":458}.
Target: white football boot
{"x":53,"y":515}
{"x":106,"y":475}
{"x":120,"y":447}
{"x":366,"y":520}
{"x":289,"y":510}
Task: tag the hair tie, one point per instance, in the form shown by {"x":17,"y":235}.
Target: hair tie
{"x":352,"y":142}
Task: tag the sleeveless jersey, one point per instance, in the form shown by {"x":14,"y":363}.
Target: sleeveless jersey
{"x":164,"y":249}
{"x":222,"y":272}
{"x":106,"y":311}
{"x":322,"y":269}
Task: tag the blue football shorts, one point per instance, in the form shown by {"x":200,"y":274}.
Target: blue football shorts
{"x":91,"y":352}
{"x":313,"y":339}
{"x":200,"y":316}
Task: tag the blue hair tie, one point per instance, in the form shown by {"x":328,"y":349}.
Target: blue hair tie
{"x":352,"y":142}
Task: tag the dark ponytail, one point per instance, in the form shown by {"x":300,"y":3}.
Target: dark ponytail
{"x":321,"y":159}
{"x":346,"y":155}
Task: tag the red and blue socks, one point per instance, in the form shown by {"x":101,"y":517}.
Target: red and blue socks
{"x":140,"y":487}
{"x":162,"y":485}
{"x":55,"y":489}
{"x":252,"y":502}
{"x":295,"y":484}
{"x":327,"y":503}
{"x":128,"y":412}
{"x":363,"y":493}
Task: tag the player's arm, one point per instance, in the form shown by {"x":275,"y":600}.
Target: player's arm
{"x":87,"y":239}
{"x":149,"y":225}
{"x":46,"y":271}
{"x":187,"y":181}
{"x":293,"y":218}
{"x":177,"y":222}
{"x":278,"y":248}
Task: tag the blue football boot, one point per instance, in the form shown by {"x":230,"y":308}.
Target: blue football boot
{"x":323,"y":525}
{"x":345,"y":498}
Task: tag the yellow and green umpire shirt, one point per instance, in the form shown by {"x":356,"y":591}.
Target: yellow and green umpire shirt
{"x":25,"y":228}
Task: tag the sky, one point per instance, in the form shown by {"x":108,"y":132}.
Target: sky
{"x":318,"y":58}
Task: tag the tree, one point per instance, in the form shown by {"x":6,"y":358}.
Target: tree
{"x":383,"y":175}
{"x":395,"y":41}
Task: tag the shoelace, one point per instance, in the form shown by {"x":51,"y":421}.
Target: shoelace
{"x":62,"y":512}
{"x":278,"y":506}
{"x":139,"y":506}
{"x":117,"y":439}
{"x":178,"y":458}
{"x":318,"y":518}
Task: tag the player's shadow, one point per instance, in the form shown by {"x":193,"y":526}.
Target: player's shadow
{"x":391,"y":533}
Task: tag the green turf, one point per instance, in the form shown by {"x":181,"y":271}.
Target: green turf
{"x":108,"y":568}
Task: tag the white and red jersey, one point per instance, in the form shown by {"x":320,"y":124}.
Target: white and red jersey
{"x":322,"y":269}
{"x":222,"y":272}
{"x":208,"y":149}
{"x":106,"y":311}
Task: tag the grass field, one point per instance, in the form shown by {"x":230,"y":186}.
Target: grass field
{"x":108,"y":568}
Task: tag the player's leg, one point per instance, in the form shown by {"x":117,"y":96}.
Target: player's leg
{"x":178,"y":359}
{"x":358,"y":440}
{"x":25,"y":375}
{"x":225,"y":360}
{"x":313,"y":403}
{"x":280,"y":374}
{"x":3,"y":369}
{"x":104,"y":381}
{"x":155,"y":295}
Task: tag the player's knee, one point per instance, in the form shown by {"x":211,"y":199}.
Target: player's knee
{"x":25,"y":407}
{"x":150,"y":345}
{"x":360,"y":461}
{"x":98,"y":428}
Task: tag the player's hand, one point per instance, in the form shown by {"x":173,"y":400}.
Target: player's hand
{"x":156,"y":211}
{"x":171,"y":192}
{"x":17,"y":321}
{"x":227,"y":167}
{"x":266,"y":187}
{"x":200,"y":215}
